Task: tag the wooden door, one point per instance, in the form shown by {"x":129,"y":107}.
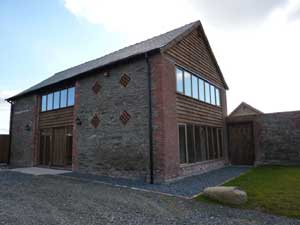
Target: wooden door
{"x":241,"y":143}
{"x":56,"y":146}
{"x":45,"y":146}
{"x":59,"y":147}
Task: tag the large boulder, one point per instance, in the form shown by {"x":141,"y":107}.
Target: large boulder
{"x":229,"y":195}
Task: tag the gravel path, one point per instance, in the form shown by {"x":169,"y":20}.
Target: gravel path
{"x":26,"y":199}
{"x":187,"y":187}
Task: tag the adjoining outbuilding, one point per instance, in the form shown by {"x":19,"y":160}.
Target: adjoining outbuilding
{"x":263,"y":138}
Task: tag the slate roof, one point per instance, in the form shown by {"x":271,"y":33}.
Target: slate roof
{"x":155,"y":43}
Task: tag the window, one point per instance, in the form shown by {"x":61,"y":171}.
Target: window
{"x":58,"y":99}
{"x":187,"y":84}
{"x":179,"y":80}
{"x":199,"y":143}
{"x":195,"y":86}
{"x":182,"y":143}
{"x":44,"y":103}
{"x":190,"y":143}
{"x":71,"y":96}
{"x":50,"y":101}
{"x":201,"y":90}
{"x":212,"y":95}
{"x":207,"y":93}
{"x":218,"y":100}
{"x":63,"y":98}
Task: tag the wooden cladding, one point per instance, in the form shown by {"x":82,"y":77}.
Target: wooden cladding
{"x":192,"y":53}
{"x":57,"y":118}
{"x":189,"y":110}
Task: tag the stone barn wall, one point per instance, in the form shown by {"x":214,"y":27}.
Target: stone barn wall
{"x":105,"y":144}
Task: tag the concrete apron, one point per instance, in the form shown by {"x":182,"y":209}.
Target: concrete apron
{"x":36,"y":171}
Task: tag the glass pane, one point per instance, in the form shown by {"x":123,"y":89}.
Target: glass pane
{"x":179,"y":80}
{"x":71,"y":96}
{"x":182,"y":144}
{"x":207,"y":93}
{"x":195,"y":86}
{"x":218,"y":101}
{"x":212,"y":95}
{"x":201,"y":90}
{"x":198,"y":144}
{"x":56,"y":100}
{"x":44,"y":103}
{"x":187,"y":84}
{"x":50,"y":101}
{"x":190,"y":143}
{"x":63,"y":98}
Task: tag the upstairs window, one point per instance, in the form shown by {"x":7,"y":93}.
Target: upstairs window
{"x":207,"y":92}
{"x":218,"y":102}
{"x":201,"y":90}
{"x":193,"y":86}
{"x":212,"y":95}
{"x":58,"y":99}
{"x":71,"y":96}
{"x":44,"y":103}
{"x":187,"y":84}
{"x":179,"y":80}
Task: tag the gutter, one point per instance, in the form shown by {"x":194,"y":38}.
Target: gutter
{"x":150,"y":119}
{"x":10,"y":129}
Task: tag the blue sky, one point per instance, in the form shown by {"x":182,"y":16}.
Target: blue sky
{"x":256,"y":42}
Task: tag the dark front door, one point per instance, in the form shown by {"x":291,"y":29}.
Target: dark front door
{"x":56,"y":146}
{"x":241,"y":143}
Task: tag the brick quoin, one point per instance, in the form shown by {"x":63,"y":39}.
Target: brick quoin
{"x":74,"y":141}
{"x":165,"y":133}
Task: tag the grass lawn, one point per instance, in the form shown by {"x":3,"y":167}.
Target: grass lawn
{"x":272,"y":189}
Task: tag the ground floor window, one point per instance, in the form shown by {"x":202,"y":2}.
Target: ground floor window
{"x":199,"y":143}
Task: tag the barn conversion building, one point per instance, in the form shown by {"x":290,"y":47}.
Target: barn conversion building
{"x":154,"y":111}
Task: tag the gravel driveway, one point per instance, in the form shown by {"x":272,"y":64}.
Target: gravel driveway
{"x":27,"y":199}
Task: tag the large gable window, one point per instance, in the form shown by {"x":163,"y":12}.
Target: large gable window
{"x":193,"y":86}
{"x":58,"y":99}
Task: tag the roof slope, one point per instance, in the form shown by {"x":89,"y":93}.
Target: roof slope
{"x":244,"y":109}
{"x":155,"y":43}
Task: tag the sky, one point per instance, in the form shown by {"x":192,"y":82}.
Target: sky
{"x":256,"y":43}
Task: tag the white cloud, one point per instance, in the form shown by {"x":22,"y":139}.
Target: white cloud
{"x":135,"y":18}
{"x":256,"y":42}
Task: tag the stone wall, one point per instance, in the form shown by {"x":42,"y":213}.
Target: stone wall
{"x":23,"y":129}
{"x":277,"y":137}
{"x":112,"y":147}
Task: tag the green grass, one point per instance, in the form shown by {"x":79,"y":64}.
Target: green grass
{"x":272,"y":189}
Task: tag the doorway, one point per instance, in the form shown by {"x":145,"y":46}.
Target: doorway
{"x":56,"y":147}
{"x":241,"y":143}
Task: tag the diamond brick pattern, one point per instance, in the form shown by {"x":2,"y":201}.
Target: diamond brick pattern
{"x":95,"y":121}
{"x":96,"y":87}
{"x":124,"y":79}
{"x":125,"y":117}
